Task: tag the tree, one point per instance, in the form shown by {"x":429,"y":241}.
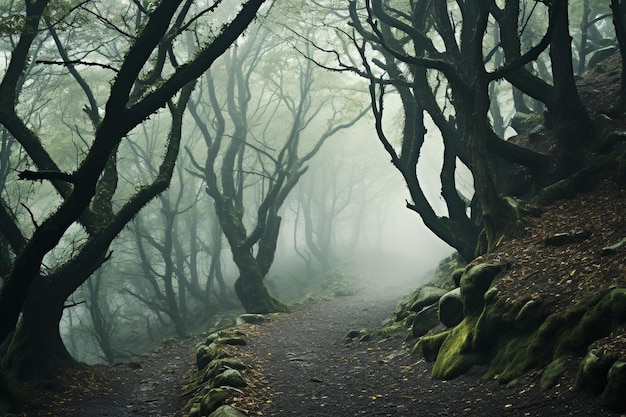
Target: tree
{"x":147,"y":79}
{"x":253,"y":160}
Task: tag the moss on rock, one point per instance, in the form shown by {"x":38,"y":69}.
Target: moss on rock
{"x":456,"y":355}
{"x":613,"y":395}
{"x":428,"y":346}
{"x":593,"y":372}
{"x":553,"y":372}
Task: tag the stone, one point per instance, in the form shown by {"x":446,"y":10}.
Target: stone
{"x":227,"y":411}
{"x":207,"y":353}
{"x":474,"y":284}
{"x":426,"y":296}
{"x":229,"y":378}
{"x":613,"y":396}
{"x":562,"y":239}
{"x":451,"y":308}
{"x":353,"y":334}
{"x":560,"y":190}
{"x":428,"y":346}
{"x":425,"y":320}
{"x":530,"y":316}
{"x":250,"y":319}
{"x":614,"y":248}
{"x":593,"y":371}
{"x":220,"y":365}
{"x":553,"y":372}
{"x":213,"y":399}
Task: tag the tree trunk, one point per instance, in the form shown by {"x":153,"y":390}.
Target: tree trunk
{"x":249,"y":287}
{"x":27,"y":358}
{"x":569,"y":117}
{"x":620,"y":33}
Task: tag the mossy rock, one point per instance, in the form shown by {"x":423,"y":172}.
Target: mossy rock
{"x":613,"y":396}
{"x":560,"y":190}
{"x":229,"y":378}
{"x":219,"y":365}
{"x":425,"y":320}
{"x":552,"y":372}
{"x":475,"y":282}
{"x":213,"y":399}
{"x":593,"y":372}
{"x":456,"y":355}
{"x":424,"y":297}
{"x":207,"y":353}
{"x":428,"y":346}
{"x":531,"y":315}
{"x":451,"y":308}
{"x":227,"y":411}
{"x":598,"y":320}
{"x":223,"y":337}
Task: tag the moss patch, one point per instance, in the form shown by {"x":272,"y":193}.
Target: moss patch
{"x":553,"y":372}
{"x":456,"y":355}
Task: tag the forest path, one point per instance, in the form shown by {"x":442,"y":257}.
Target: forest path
{"x":310,"y":369}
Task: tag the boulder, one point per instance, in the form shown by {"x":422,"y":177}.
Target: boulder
{"x":553,"y":372}
{"x":451,"y":308}
{"x":213,"y":399}
{"x":613,"y":396}
{"x":560,"y":190}
{"x":250,"y":319}
{"x":229,"y":378}
{"x":428,"y":346}
{"x":530,"y":316}
{"x":227,"y":411}
{"x":474,"y":284}
{"x":425,"y":320}
{"x":593,"y":371}
{"x":207,"y":353}
{"x":227,"y":337}
{"x":426,"y":296}
{"x":217,"y":366}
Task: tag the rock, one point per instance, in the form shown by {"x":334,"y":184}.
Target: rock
{"x":425,"y":320}
{"x":474,"y":284}
{"x":217,"y":366}
{"x":451,"y":308}
{"x":530,"y":316}
{"x":353,"y":334}
{"x":593,"y":371}
{"x":250,"y":319}
{"x":227,"y":411}
{"x":213,"y":399}
{"x":229,"y":378}
{"x":613,"y":396}
{"x":207,"y":353}
{"x":426,"y":296}
{"x":227,"y":337}
{"x":365,"y":338}
{"x":428,"y":346}
{"x":560,"y":190}
{"x":552,"y":373}
{"x":614,"y":248}
{"x":456,"y":356}
{"x":562,"y":239}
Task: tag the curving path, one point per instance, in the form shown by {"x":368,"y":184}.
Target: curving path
{"x":311,"y":370}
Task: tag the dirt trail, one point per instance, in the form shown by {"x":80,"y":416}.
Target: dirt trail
{"x":312,"y":370}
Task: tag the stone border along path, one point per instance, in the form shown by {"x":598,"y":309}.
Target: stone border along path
{"x":310,"y":368}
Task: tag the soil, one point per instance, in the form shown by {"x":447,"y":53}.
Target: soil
{"x":150,"y":388}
